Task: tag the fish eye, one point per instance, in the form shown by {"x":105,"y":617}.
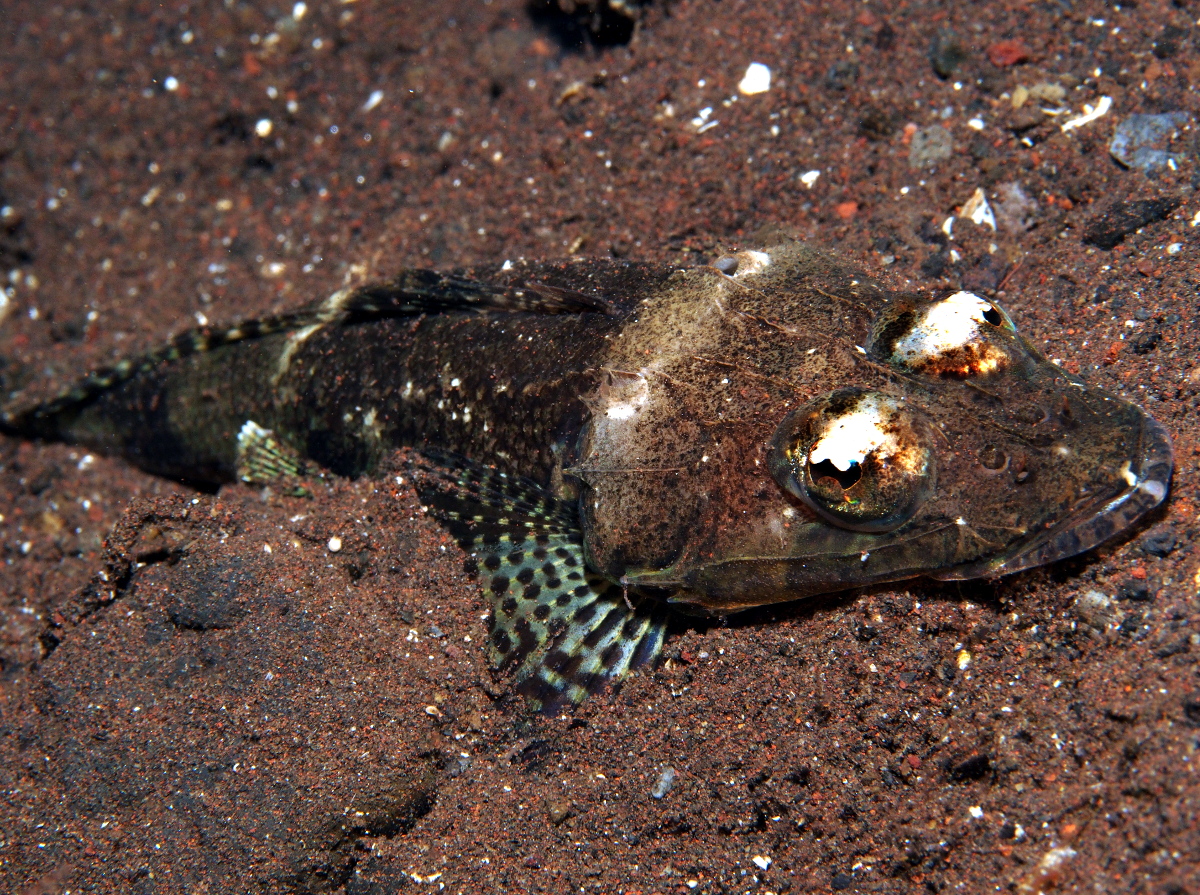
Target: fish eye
{"x":857,"y":457}
{"x":951,"y":337}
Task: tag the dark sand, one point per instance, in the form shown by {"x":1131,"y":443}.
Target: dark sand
{"x":186,"y":710}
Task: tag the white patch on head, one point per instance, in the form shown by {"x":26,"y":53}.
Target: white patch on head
{"x":751,"y":262}
{"x":853,"y":436}
{"x":626,"y":398}
{"x":950,"y":324}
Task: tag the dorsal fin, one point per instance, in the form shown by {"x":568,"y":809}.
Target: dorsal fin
{"x":410,"y":292}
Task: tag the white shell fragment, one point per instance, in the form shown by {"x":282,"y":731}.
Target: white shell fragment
{"x":809,"y":178}
{"x":757,"y":79}
{"x":978,"y":211}
{"x":1089,"y":115}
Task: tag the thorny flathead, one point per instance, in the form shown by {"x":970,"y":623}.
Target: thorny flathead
{"x":608,"y":438}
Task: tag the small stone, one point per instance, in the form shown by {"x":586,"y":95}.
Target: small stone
{"x":1191,"y":711}
{"x":972,"y":767}
{"x":757,"y":79}
{"x":1143,"y":141}
{"x":666,"y":780}
{"x":1007,"y":52}
{"x":1117,"y":220}
{"x":335,"y":544}
{"x":1096,"y":608}
{"x":1160,"y":541}
{"x":1048,"y":92}
{"x":929,"y":146}
{"x":1135,"y":589}
{"x":946,"y":53}
{"x":841,"y":882}
{"x":1015,"y":211}
{"x":1167,"y":43}
{"x":841,"y":75}
{"x":559,"y":810}
{"x":1145,"y":342}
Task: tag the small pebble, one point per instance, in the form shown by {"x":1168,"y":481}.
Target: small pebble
{"x":335,"y":544}
{"x":1136,"y":590}
{"x":663,"y":785}
{"x":1143,"y":141}
{"x":1160,"y":541}
{"x":929,"y":146}
{"x":946,"y":53}
{"x":1096,"y":609}
{"x":558,"y":810}
{"x":757,"y":79}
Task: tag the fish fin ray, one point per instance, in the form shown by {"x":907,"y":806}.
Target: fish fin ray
{"x":560,"y":630}
{"x":262,"y":458}
{"x":418,"y":291}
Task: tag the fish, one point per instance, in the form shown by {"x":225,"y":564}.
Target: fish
{"x":614,"y":442}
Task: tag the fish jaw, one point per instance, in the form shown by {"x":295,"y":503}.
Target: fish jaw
{"x":1148,"y":479}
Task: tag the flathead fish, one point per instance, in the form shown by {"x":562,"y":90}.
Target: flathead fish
{"x":609,"y":439}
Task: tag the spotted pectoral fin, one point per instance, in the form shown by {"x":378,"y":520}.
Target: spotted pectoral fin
{"x":562,"y":631}
{"x":263,"y":459}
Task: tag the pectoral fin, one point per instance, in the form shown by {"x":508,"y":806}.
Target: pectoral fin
{"x":563,"y":631}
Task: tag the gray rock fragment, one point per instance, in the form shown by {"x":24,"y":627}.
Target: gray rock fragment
{"x":1014,"y":209}
{"x":1144,"y":141}
{"x":663,"y":785}
{"x":1097,"y":609}
{"x":929,"y":146}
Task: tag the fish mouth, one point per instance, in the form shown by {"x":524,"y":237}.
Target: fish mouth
{"x":1149,"y":478}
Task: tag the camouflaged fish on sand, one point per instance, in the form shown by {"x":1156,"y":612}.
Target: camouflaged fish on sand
{"x":608,"y":440}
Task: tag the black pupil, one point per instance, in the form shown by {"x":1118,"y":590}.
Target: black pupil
{"x":826,"y":470}
{"x":992,"y":316}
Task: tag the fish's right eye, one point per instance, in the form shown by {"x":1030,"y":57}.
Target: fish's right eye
{"x":857,"y":457}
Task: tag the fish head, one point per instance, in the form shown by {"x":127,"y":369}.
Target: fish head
{"x":802,"y":430}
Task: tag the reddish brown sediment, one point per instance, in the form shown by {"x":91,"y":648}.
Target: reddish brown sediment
{"x":185,"y":709}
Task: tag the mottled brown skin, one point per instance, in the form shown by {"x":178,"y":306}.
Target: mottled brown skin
{"x":740,"y":352}
{"x":661,"y":416}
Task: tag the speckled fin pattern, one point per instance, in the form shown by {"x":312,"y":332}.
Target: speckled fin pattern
{"x":562,"y":631}
{"x":261,"y":458}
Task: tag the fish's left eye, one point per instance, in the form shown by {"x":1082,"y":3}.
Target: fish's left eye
{"x":952,"y":337}
{"x":858,"y":457}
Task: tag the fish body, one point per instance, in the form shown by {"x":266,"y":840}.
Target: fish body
{"x":607,"y":437}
